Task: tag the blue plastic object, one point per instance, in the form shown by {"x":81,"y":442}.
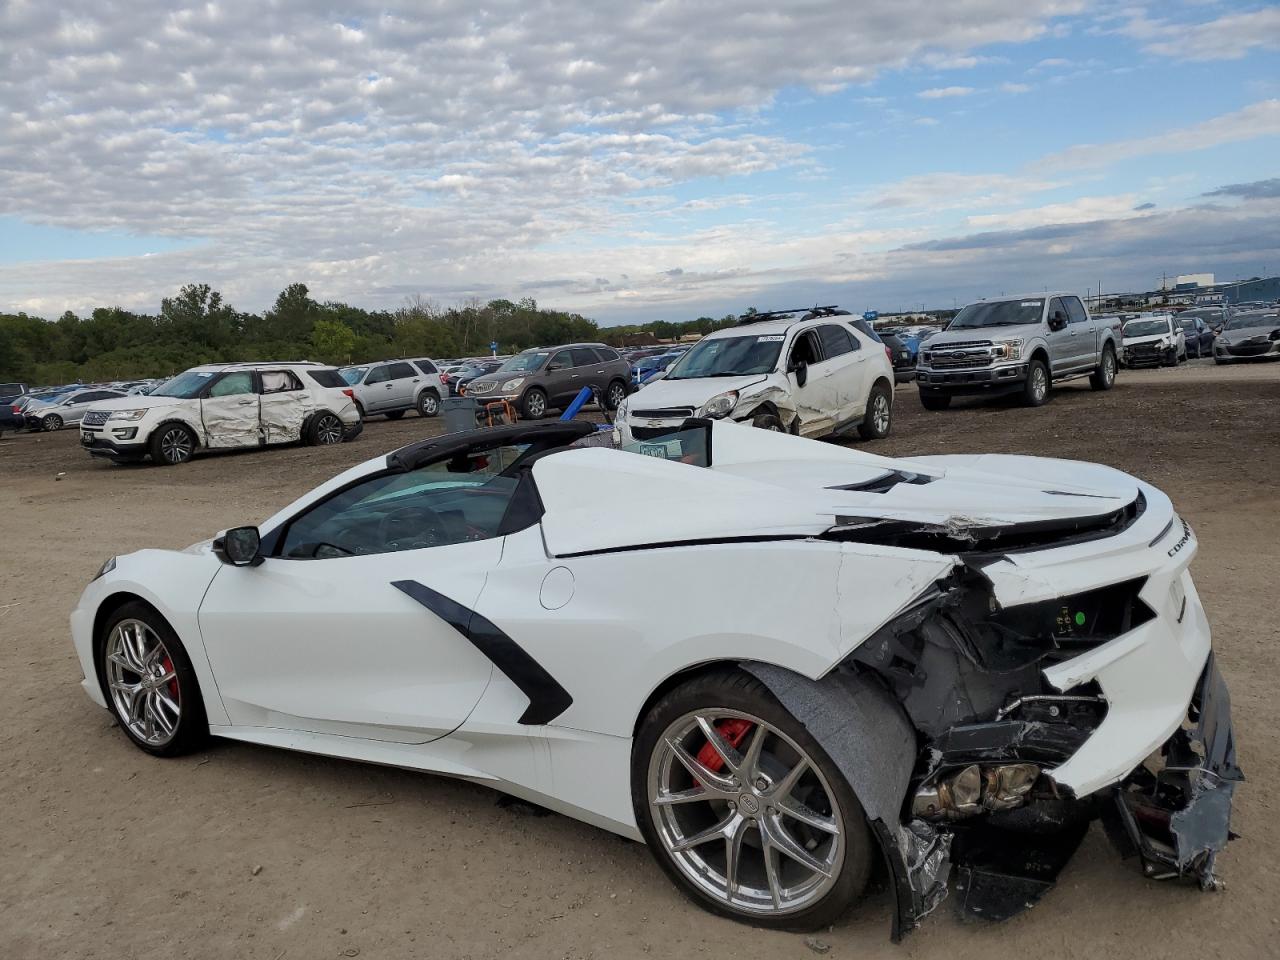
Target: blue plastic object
{"x":578,"y":403}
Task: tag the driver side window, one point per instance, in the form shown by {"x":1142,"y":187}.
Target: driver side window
{"x":233,"y":384}
{"x":450,"y":501}
{"x":804,"y":350}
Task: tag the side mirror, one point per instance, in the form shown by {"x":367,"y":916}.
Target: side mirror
{"x":801,"y":370}
{"x":1057,"y":321}
{"x":553,"y":367}
{"x":239,"y":547}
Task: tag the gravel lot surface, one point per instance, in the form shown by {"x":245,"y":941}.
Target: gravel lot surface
{"x":109,"y":853}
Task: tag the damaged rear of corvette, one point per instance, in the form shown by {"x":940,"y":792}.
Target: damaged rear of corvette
{"x":1047,"y":672}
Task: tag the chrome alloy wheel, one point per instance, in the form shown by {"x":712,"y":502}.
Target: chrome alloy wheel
{"x":428,"y":405}
{"x":1039,"y":382}
{"x":1108,"y":367}
{"x":537,"y":405}
{"x":329,"y":430}
{"x":175,"y":445}
{"x":143,"y":683}
{"x":754,"y":826}
{"x":617,"y":393}
{"x":880,"y":413}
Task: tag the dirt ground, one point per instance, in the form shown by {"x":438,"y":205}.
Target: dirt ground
{"x":106,"y":852}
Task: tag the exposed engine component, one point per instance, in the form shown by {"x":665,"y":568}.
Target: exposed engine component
{"x":974,"y":790}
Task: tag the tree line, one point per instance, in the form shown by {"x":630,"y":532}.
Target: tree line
{"x":198,"y":326}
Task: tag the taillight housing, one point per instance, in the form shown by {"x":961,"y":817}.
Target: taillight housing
{"x":888,"y":353}
{"x":351,"y":394}
{"x":444,"y":378}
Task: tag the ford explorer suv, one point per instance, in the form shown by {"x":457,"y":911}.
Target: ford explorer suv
{"x":222,"y":406}
{"x":544,"y":377}
{"x":393,"y":387}
{"x":811,"y":375}
{"x":1018,"y":345}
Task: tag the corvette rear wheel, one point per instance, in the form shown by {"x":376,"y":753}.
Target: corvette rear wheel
{"x":150,"y":685}
{"x":744,"y":810}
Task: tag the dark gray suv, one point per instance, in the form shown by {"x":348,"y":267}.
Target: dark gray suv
{"x":537,"y":380}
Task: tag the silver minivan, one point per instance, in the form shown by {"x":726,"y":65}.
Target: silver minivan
{"x":391,"y":387}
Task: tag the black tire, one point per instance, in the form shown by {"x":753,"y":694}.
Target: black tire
{"x":51,"y":423}
{"x":1219,"y":361}
{"x":533,"y":405}
{"x":395,"y":414}
{"x":614,"y":394}
{"x":428,"y":404}
{"x":171,"y":444}
{"x":192,"y":730}
{"x":767,"y":421}
{"x":1104,"y":377}
{"x":735,"y":690}
{"x":360,"y":410}
{"x":876,"y":424}
{"x":1035,"y":391}
{"x":935,"y":401}
{"x":324,"y":429}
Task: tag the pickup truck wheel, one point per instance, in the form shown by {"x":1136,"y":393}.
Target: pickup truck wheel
{"x":1104,"y":377}
{"x":878,"y":419}
{"x":395,"y":414}
{"x":935,"y":401}
{"x":1035,"y":392}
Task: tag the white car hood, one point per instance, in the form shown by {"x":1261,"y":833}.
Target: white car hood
{"x":689,"y":393}
{"x":138,"y":402}
{"x":1149,"y":338}
{"x":765,"y":484}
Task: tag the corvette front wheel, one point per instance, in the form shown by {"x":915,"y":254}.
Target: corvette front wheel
{"x":744,"y":810}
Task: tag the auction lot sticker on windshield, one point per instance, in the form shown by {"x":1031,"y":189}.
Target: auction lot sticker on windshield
{"x":771,"y":338}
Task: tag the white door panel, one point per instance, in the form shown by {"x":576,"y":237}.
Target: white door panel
{"x":231,"y":421}
{"x":816,"y":402}
{"x":332,"y":646}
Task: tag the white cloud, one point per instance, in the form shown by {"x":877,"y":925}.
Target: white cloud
{"x":1256,"y":120}
{"x":1015,"y":87}
{"x":383,"y":148}
{"x":1229,"y":37}
{"x":1081,"y":210}
{"x":940,"y":93}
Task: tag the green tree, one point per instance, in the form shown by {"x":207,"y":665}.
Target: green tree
{"x":333,"y":341}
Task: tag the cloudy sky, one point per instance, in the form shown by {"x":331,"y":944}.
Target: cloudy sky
{"x":632,"y":160}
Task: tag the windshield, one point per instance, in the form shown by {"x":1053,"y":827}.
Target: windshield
{"x":729,"y":357}
{"x":1002,"y":313}
{"x":1245,"y":320}
{"x":1146,"y":328}
{"x":184,"y":385}
{"x":524,"y":362}
{"x":352,"y":375}
{"x":1187,"y":324}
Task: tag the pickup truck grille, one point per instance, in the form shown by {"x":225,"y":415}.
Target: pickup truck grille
{"x":96,"y":418}
{"x":958,"y":356}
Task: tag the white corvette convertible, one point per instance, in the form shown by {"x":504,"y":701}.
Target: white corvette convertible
{"x":773,"y":660}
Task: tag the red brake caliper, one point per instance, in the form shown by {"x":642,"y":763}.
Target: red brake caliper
{"x":173,"y":684}
{"x":734,"y":731}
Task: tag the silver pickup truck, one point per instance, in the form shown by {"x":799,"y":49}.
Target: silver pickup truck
{"x":1017,"y":345}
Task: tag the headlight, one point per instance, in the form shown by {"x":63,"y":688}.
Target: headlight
{"x":105,"y":568}
{"x":512,"y":384}
{"x":128,"y":414}
{"x":1008,"y":349}
{"x":720,"y":406}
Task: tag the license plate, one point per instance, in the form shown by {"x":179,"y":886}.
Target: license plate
{"x":666,"y":450}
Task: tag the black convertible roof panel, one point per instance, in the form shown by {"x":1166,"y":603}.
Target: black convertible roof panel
{"x":548,"y":433}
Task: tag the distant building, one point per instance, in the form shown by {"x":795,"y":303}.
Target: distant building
{"x":1190,"y":281}
{"x":1266,"y":290}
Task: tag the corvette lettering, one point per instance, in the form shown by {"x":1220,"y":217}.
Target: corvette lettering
{"x":1186,"y":538}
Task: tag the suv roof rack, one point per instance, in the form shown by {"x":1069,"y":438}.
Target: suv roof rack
{"x":809,"y":313}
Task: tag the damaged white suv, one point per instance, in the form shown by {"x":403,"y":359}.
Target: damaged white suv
{"x":223,"y":406}
{"x":810,"y":375}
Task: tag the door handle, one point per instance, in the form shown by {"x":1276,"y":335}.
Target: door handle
{"x":574,"y":376}
{"x":245,"y":403}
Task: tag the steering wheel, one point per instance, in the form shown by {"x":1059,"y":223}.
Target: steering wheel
{"x":411,"y":527}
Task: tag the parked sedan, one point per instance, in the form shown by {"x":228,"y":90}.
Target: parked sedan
{"x":1198,"y":334}
{"x":1249,"y":336}
{"x":856,"y":660}
{"x":65,"y":409}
